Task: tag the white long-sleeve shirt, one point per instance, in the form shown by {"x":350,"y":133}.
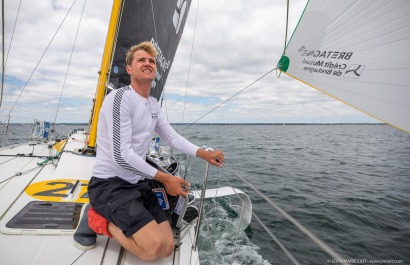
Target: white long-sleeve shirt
{"x":125,"y":129}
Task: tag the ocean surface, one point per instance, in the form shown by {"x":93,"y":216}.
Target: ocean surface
{"x":347,"y":184}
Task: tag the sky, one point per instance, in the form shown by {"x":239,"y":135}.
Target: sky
{"x":226,"y":46}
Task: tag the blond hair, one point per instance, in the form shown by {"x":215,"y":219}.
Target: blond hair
{"x":144,"y":46}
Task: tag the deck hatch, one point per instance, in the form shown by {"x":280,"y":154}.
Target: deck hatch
{"x":47,"y":215}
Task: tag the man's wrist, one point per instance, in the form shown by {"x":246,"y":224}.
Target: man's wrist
{"x":161,"y":176}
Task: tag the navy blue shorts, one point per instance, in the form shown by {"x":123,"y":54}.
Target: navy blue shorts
{"x":129,"y":206}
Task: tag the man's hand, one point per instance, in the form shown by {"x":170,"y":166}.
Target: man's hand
{"x":213,"y":157}
{"x":173,"y":185}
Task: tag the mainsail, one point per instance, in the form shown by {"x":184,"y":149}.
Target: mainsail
{"x":134,"y":21}
{"x":357,"y":52}
{"x":160,"y":22}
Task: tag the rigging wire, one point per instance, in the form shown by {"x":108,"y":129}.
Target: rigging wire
{"x":28,"y":184}
{"x":290,"y":256}
{"x":278,"y":71}
{"x":301,"y":228}
{"x":231,"y":97}
{"x":220,"y":104}
{"x":190,"y":60}
{"x":42,"y":56}
{"x":8,"y":50}
{"x":69,"y":64}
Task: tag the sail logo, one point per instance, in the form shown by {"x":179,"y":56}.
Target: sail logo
{"x":354,"y":71}
{"x":161,"y":60}
{"x":325,"y":54}
{"x":179,"y":14}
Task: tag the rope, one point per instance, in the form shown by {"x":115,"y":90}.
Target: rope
{"x":234,"y":95}
{"x":278,"y":75}
{"x":35,"y":68}
{"x":22,"y":173}
{"x":69,"y":63}
{"x":290,"y":256}
{"x":304,"y":230}
{"x":22,"y":191}
{"x":190,"y":61}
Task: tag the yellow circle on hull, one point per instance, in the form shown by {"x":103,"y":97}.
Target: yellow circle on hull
{"x":59,"y":190}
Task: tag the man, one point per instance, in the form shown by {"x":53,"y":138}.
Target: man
{"x":119,"y":189}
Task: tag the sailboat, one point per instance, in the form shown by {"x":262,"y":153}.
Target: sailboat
{"x":43,"y":192}
{"x":43,"y":183}
{"x":43,"y":204}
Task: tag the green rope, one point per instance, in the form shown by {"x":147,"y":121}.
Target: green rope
{"x":47,"y":159}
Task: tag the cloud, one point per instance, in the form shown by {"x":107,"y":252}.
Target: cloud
{"x":37,"y":24}
{"x":236,"y":42}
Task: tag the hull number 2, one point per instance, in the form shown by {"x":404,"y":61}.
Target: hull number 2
{"x":59,"y":190}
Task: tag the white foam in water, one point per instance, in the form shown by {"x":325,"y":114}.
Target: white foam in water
{"x":219,"y":231}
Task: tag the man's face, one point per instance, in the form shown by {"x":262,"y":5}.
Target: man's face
{"x":143,"y":67}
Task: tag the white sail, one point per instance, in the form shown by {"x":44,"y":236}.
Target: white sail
{"x":358,"y":52}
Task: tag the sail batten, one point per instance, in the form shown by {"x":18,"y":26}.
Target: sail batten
{"x":356,"y":52}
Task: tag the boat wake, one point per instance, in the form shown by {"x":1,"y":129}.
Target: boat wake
{"x":220,"y":241}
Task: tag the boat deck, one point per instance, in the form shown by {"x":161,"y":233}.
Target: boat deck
{"x":28,"y":174}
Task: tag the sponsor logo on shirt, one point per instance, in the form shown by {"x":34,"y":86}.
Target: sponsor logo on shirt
{"x":154,"y":115}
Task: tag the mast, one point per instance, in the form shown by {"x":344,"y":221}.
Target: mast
{"x":103,"y":74}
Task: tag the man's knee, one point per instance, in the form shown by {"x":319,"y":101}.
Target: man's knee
{"x":168,"y":251}
{"x":154,"y":250}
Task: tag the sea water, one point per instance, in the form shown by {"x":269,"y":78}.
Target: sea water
{"x":347,"y":184}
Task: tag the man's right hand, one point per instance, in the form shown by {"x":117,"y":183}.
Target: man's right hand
{"x":173,"y":185}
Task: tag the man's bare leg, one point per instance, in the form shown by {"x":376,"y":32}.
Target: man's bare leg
{"x":150,"y":242}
